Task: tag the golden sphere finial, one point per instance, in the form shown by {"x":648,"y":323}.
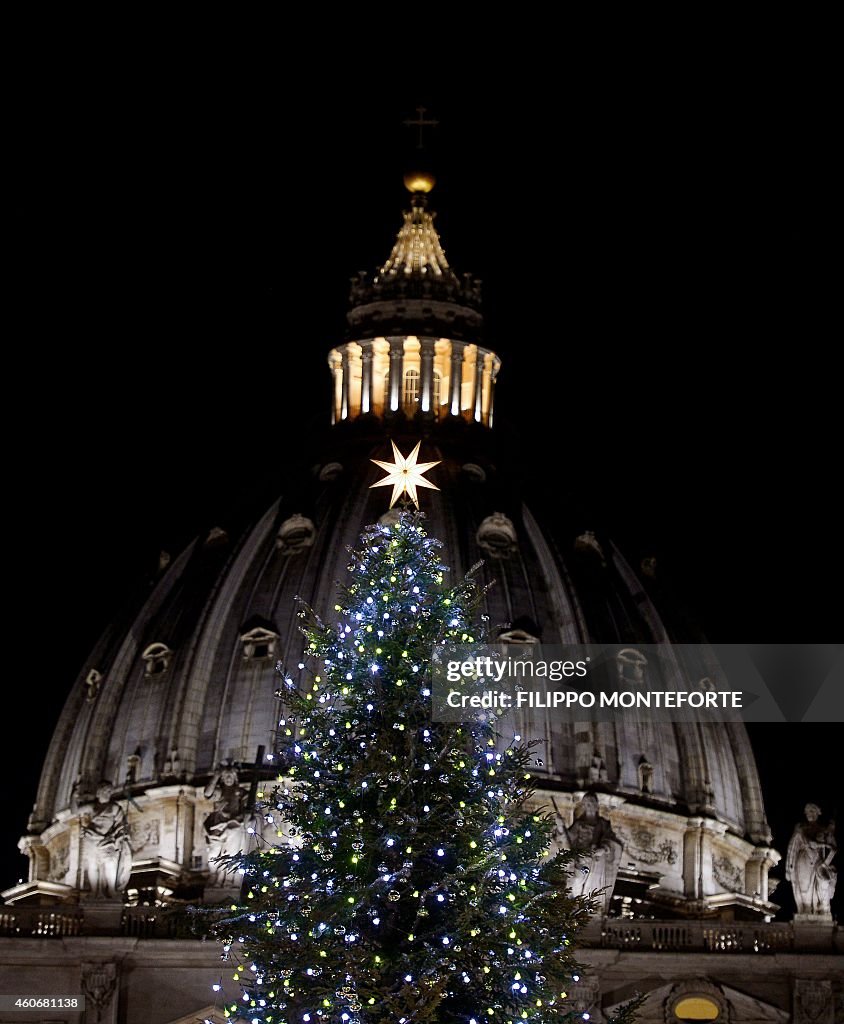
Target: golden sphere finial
{"x":419,"y":181}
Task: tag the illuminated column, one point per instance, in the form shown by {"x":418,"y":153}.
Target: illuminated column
{"x":756,"y":871}
{"x":344,"y":402}
{"x":335,"y":364}
{"x":366,"y":379}
{"x":427,"y":377}
{"x":478,"y":398}
{"x":396,"y":366}
{"x":493,"y":371}
{"x":456,"y":377}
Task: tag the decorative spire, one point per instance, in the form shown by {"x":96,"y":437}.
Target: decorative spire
{"x":415,"y":292}
{"x":418,"y":249}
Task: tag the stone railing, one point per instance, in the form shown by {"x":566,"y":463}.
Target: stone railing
{"x":158,"y":923}
{"x":698,"y":936}
{"x":40,"y":922}
{"x":644,"y":936}
{"x":61,"y":922}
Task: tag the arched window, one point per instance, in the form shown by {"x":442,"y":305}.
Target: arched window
{"x":295,"y":534}
{"x":522,"y":630}
{"x":631,"y":665}
{"x":436,"y":392}
{"x":696,"y":1007}
{"x":92,"y":685}
{"x":156,"y":659}
{"x":646,"y":775}
{"x":410,"y":397}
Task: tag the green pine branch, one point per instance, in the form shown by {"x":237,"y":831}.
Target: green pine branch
{"x":402,"y":876}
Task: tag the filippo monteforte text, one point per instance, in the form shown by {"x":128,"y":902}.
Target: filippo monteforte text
{"x":586,"y":699}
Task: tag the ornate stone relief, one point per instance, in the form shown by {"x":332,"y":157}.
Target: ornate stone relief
{"x":642,"y":844}
{"x":144,"y":834}
{"x":727,"y":874}
{"x":813,"y":1001}
{"x":59,"y":859}
{"x":99,"y":984}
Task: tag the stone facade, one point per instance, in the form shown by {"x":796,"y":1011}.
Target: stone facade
{"x":754,"y":973}
{"x":168,"y":730}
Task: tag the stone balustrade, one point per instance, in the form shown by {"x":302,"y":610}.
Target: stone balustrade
{"x":677,"y":936}
{"x":680,"y":936}
{"x":65,"y":922}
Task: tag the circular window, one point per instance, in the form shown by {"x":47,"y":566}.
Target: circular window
{"x":694,"y":1008}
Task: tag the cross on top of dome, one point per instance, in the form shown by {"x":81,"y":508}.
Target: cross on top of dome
{"x":421,"y":122}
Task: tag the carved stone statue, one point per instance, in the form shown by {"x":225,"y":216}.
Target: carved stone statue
{"x":808,"y":864}
{"x":223,"y":826}
{"x":598,"y":769}
{"x":106,"y":854}
{"x":646,"y":775}
{"x":598,"y":851}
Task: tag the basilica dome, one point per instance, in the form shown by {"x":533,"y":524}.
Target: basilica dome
{"x":184,"y":683}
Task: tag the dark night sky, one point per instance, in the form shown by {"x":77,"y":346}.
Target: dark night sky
{"x":655,"y":270}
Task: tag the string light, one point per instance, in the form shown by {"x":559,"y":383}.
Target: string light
{"x":407,"y":869}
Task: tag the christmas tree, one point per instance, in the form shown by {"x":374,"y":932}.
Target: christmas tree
{"x":407,"y":878}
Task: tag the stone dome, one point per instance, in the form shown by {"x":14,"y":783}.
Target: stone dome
{"x":185,"y":682}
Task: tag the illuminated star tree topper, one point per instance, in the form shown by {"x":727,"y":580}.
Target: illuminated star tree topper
{"x":405,"y":474}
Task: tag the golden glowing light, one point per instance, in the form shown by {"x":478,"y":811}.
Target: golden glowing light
{"x":419,"y":181}
{"x":405,"y":474}
{"x":696,"y":1008}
